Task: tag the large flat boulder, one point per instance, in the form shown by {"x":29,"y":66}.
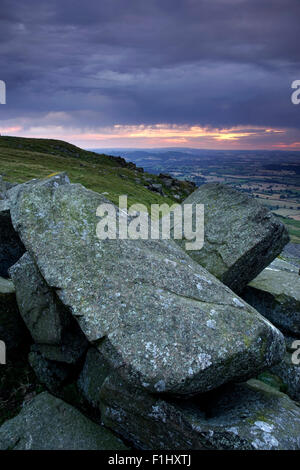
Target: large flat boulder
{"x":47,"y":423}
{"x":155,"y":314}
{"x":241,"y":237}
{"x":275,"y":293}
{"x":247,"y":416}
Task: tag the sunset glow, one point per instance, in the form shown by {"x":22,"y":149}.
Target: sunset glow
{"x":163,"y":135}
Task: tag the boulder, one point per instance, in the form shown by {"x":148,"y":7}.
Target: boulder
{"x":291,"y":253}
{"x":275,"y":293}
{"x":50,"y":323}
{"x":241,"y":237}
{"x":47,"y":423}
{"x":247,"y":416}
{"x":38,"y":308}
{"x":11,"y":248}
{"x":156,"y":187}
{"x":4,"y":187}
{"x":12,"y":328}
{"x":92,"y":376}
{"x":155,"y":315}
{"x":282,"y":265}
{"x":54,"y":375}
{"x":287,"y":372}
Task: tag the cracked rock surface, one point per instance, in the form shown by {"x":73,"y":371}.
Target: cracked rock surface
{"x":241,"y":237}
{"x":47,"y":423}
{"x":275,"y":293}
{"x":155,"y":314}
{"x":246,"y":416}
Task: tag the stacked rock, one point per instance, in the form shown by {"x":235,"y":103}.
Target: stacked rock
{"x":157,"y":341}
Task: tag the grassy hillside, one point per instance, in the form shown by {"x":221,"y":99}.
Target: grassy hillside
{"x":23,"y":159}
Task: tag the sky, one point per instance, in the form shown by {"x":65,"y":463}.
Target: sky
{"x":152,"y":73}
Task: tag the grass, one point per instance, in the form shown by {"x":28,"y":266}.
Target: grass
{"x":23,"y":159}
{"x":293,"y":227}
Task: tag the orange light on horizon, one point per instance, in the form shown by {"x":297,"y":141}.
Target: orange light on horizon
{"x":174,"y":133}
{"x":161,"y":135}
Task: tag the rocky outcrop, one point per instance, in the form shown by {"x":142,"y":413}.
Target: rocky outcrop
{"x":47,"y":423}
{"x":141,"y":332}
{"x":241,"y":236}
{"x":155,"y":315}
{"x":248,"y":416}
{"x":275,"y":293}
{"x":50,"y":323}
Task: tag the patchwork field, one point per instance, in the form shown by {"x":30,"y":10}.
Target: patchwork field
{"x":271,"y":176}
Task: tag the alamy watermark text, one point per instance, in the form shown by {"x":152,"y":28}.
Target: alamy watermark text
{"x":2,"y":92}
{"x":164,"y":222}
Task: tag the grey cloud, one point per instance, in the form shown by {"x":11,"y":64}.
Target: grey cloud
{"x":210,"y":62}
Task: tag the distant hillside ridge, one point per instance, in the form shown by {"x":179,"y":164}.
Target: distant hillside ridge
{"x":22,"y":159}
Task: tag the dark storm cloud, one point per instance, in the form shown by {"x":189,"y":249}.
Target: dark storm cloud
{"x":210,"y":62}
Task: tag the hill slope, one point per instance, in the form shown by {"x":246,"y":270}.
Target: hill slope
{"x":22,"y":159}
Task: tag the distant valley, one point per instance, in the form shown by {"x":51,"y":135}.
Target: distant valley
{"x":271,"y":176}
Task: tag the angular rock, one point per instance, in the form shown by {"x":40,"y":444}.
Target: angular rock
{"x":275,"y":293}
{"x":11,"y":247}
{"x":161,"y":318}
{"x":248,"y":416}
{"x":7,"y":286}
{"x":282,"y":265}
{"x":49,"y":322}
{"x":36,"y":302}
{"x":241,"y":237}
{"x":92,"y":376}
{"x":47,"y":423}
{"x":291,"y":254}
{"x":157,"y":187}
{"x":71,"y":349}
{"x":12,"y":328}
{"x":287,"y":372}
{"x":4,"y":187}
{"x":52,"y":374}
